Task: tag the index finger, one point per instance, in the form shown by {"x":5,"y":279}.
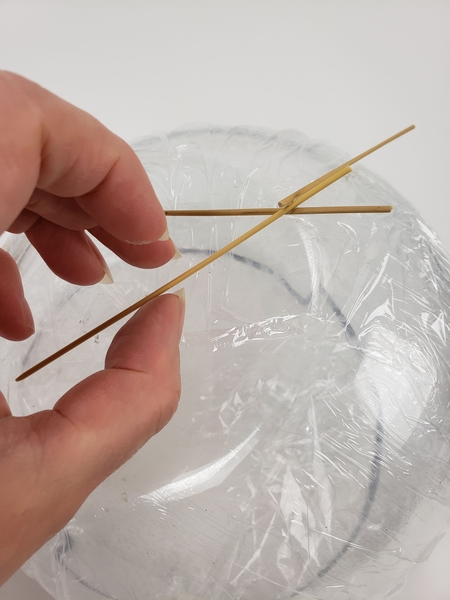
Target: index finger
{"x":47,"y":143}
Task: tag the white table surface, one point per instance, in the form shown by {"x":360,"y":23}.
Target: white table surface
{"x":351,"y":72}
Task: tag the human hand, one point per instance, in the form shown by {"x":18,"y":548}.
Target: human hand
{"x":61,"y":173}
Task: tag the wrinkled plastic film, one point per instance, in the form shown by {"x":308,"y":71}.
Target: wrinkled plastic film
{"x":309,"y":456}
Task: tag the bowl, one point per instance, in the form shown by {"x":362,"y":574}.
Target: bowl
{"x":309,"y":455}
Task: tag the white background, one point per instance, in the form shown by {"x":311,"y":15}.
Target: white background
{"x":351,"y":72}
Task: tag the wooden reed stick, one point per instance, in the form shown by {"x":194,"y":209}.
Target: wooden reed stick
{"x":257,"y":212}
{"x":350,"y":162}
{"x":325,"y":182}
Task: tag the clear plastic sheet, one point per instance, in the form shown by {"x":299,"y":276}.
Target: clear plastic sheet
{"x":309,"y":457}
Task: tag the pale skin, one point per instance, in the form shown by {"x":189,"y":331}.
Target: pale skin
{"x":62,"y":173}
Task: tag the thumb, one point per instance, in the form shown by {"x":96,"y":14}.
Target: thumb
{"x":115,"y":411}
{"x":54,"y":459}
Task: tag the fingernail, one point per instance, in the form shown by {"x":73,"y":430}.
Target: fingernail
{"x":181,"y":293}
{"x":165,"y":236}
{"x":27,"y":317}
{"x":107,"y":278}
{"x":177,"y":254}
{"x":182,"y":296}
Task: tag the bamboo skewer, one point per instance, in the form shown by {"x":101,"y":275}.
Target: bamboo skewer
{"x":337,"y":174}
{"x":287,"y":206}
{"x":258,"y":212}
{"x":350,"y":162}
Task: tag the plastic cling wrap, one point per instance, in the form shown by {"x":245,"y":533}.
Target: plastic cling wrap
{"x":309,"y":457}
